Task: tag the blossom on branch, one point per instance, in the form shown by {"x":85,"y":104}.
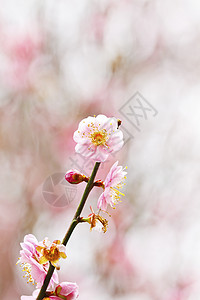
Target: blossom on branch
{"x":65,"y":290}
{"x":97,"y":137}
{"x":111,"y":185}
{"x":51,"y":252}
{"x":75,"y":177}
{"x":96,"y":221}
{"x":30,"y":261}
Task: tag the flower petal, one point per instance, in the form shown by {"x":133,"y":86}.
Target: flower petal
{"x":43,"y":260}
{"x":63,"y":255}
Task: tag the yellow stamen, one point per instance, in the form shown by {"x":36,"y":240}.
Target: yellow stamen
{"x":27,"y":269}
{"x":99,"y":137}
{"x":118,"y":192}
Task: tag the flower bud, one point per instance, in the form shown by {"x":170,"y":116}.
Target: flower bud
{"x":75,"y":177}
{"x":119,"y":122}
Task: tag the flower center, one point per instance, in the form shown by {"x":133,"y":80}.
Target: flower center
{"x":99,"y":137}
{"x":51,"y":254}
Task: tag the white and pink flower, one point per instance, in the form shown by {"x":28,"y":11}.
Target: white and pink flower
{"x":97,"y":137}
{"x":111,"y":185}
{"x":30,"y":261}
{"x":65,"y":290}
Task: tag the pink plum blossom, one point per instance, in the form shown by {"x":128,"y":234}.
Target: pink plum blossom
{"x":97,"y":137}
{"x":29,"y":259}
{"x":113,"y":182}
{"x":65,"y":290}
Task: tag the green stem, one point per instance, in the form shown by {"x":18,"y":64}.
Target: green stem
{"x":73,"y":224}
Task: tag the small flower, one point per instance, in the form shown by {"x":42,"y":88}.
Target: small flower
{"x":97,"y":222}
{"x":112,"y":184}
{"x":65,"y":290}
{"x":30,"y":261}
{"x":51,"y":252}
{"x":75,"y":177}
{"x":97,"y":137}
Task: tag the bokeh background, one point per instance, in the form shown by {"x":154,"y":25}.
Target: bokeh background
{"x":61,"y":61}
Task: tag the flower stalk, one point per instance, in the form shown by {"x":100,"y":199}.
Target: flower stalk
{"x":72,"y":226}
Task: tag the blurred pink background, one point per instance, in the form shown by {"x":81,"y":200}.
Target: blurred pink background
{"x":62,"y":61}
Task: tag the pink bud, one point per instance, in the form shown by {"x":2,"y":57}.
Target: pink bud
{"x":75,"y":177}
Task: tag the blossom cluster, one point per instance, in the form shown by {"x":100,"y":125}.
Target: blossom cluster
{"x":96,"y":138}
{"x":35,"y":258}
{"x":65,"y":290}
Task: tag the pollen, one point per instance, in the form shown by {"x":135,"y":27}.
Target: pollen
{"x":99,"y":137}
{"x":27,"y":269}
{"x":116,"y":194}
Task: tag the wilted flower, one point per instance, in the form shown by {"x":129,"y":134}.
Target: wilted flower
{"x":30,"y":261}
{"x":97,"y":137}
{"x":97,"y":222}
{"x":65,"y":290}
{"x":112,"y":184}
{"x":51,"y":252}
{"x":75,"y":177}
